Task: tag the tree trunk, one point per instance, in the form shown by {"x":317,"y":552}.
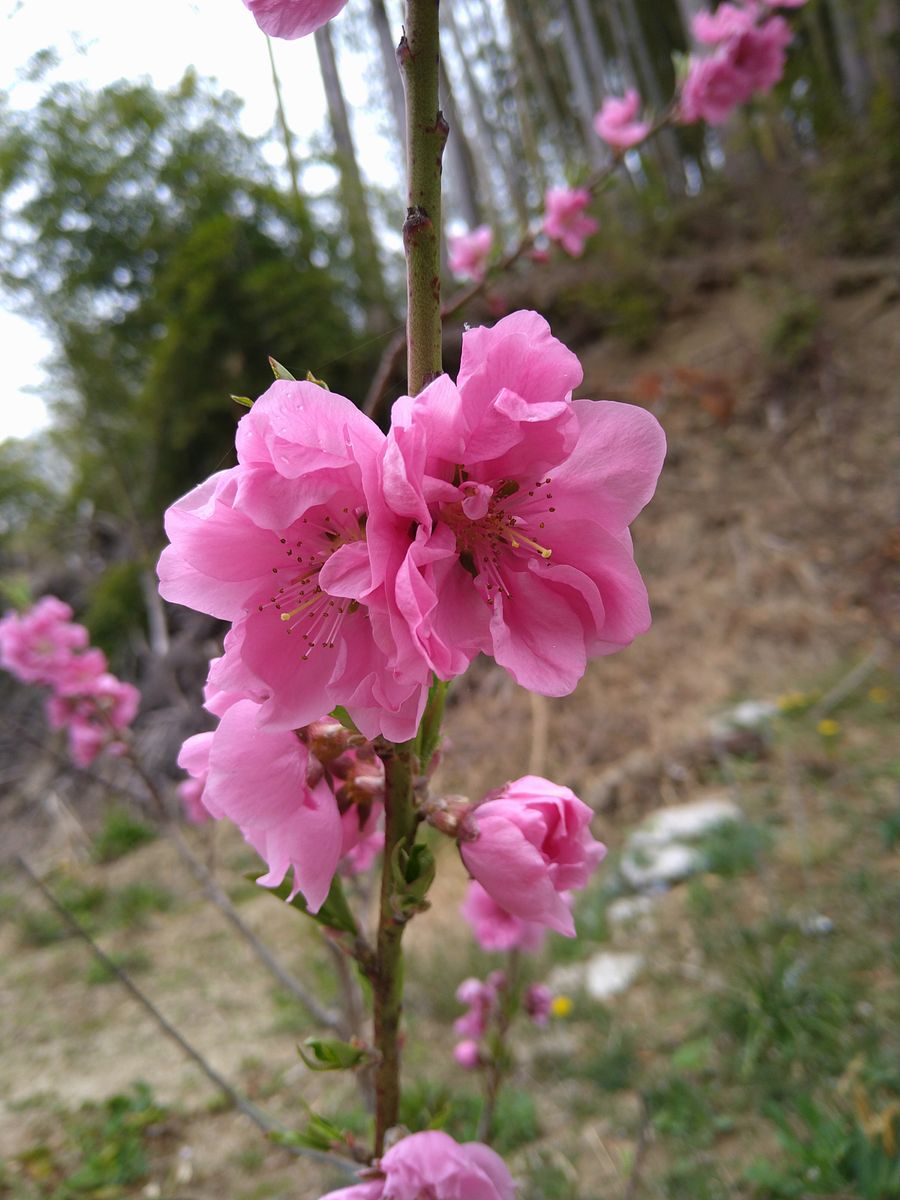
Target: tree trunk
{"x":372,"y":289}
{"x":582,"y":94}
{"x":854,"y":68}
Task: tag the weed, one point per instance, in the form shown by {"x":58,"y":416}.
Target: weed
{"x":120,"y":833}
{"x":131,"y":961}
{"x":733,"y":847}
{"x":434,"y":1106}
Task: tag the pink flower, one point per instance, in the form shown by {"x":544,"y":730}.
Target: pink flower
{"x":467,"y":1054}
{"x":539,"y":1003}
{"x":193,"y":757}
{"x":432,"y":1164}
{"x":760,"y":53}
{"x":616,"y":121}
{"x":481,"y":999}
{"x":496,"y":929}
{"x":712,"y":90}
{"x":751,"y":61}
{"x":37,"y":645}
{"x":534,"y":843}
{"x":565,"y":220}
{"x":361,"y":857}
{"x":278,"y":546}
{"x":93,"y":709}
{"x":258,"y":779}
{"x":726,"y":22}
{"x":293,"y":18}
{"x":469,"y":252}
{"x":517,"y":502}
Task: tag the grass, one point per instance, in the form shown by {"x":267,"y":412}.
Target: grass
{"x":95,"y":906}
{"x":100,"y":1152}
{"x":120,"y":833}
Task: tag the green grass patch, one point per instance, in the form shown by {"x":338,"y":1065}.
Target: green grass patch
{"x":120,"y":833}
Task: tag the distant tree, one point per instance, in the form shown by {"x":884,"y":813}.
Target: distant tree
{"x":147,"y":234}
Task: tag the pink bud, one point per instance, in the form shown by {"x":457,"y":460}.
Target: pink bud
{"x":467,"y":1054}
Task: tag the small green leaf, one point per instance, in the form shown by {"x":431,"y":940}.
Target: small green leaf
{"x":244,"y":401}
{"x":335,"y":913}
{"x":320,"y":1134}
{"x":412,"y":874}
{"x":310,"y":378}
{"x":329,"y":1054}
{"x":279,"y":371}
{"x":340,"y":714}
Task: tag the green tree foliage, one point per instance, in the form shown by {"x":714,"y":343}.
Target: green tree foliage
{"x":148,"y":235}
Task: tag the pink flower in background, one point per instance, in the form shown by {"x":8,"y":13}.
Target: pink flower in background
{"x":784,"y":3}
{"x":495,"y":928}
{"x":293,"y":18}
{"x":469,"y":253}
{"x":760,"y":54}
{"x":278,"y":546}
{"x":467,"y":1054}
{"x":37,"y":645}
{"x":518,"y":503}
{"x":729,"y":20}
{"x":93,"y":709}
{"x":712,"y":90}
{"x":750,"y":59}
{"x":565,"y":220}
{"x":539,"y":1003}
{"x":481,"y":999}
{"x":617,"y":124}
{"x":534,"y":843}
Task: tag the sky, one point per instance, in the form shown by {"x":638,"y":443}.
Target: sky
{"x":100,"y":41}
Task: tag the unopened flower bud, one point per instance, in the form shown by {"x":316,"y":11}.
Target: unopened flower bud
{"x":467,"y":1055}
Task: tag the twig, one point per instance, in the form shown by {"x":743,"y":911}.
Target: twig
{"x":262,"y":1121}
{"x":203,"y":876}
{"x":850,"y":682}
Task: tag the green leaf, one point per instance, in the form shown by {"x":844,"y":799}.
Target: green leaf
{"x":244,"y":401}
{"x":412,"y":874}
{"x":310,"y":378}
{"x":429,"y":735}
{"x":320,"y":1134}
{"x":279,"y":371}
{"x":335,"y":913}
{"x":329,"y":1054}
{"x":340,"y":714}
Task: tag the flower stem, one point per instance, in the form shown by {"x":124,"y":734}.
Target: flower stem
{"x":387,"y":983}
{"x":501,"y":1059}
{"x":426,"y":135}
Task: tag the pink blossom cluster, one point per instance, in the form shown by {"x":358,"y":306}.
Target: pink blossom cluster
{"x":492,"y":518}
{"x":432,"y":1164}
{"x":565,"y":219}
{"x":747,"y":46}
{"x":469,"y":253}
{"x":293,"y":18}
{"x":355,"y":566}
{"x":45,"y":646}
{"x":308,"y":801}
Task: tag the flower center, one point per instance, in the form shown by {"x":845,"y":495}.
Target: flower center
{"x":495,"y":524}
{"x":301,"y":603}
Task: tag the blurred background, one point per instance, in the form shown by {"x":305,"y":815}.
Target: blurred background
{"x":178,"y":201}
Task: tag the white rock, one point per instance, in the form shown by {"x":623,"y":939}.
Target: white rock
{"x":630,"y":908}
{"x":608,"y":974}
{"x":681,"y":822}
{"x":604,"y":975}
{"x":659,"y":866}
